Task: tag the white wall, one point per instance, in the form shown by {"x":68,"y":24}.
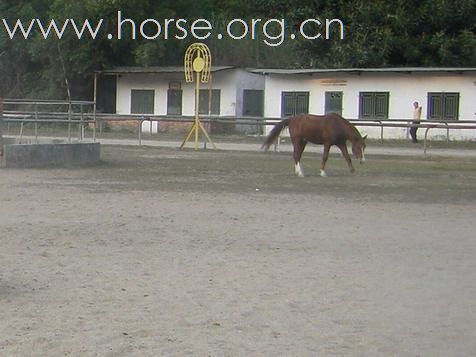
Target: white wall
{"x":404,"y":90}
{"x":223,"y":80}
{"x":127,"y":82}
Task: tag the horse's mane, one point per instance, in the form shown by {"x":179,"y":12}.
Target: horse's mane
{"x":353,"y":132}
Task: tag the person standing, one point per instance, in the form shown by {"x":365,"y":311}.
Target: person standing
{"x":416,"y":121}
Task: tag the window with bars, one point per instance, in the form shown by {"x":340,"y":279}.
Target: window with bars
{"x":294,"y":103}
{"x":205,"y":106}
{"x":142,"y":101}
{"x":174,"y":102}
{"x":443,"y":106}
{"x":374,"y":105}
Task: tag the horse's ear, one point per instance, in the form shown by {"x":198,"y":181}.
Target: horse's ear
{"x":365,"y":137}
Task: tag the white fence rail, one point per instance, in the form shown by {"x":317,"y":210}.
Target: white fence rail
{"x":83,"y":113}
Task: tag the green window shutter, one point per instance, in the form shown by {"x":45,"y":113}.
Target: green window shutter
{"x":293,"y":103}
{"x":174,"y":102}
{"x":142,"y":101}
{"x":302,"y":103}
{"x":381,"y":105}
{"x":373,"y":105}
{"x":443,"y":106}
{"x":366,"y":105}
{"x":216,"y":97}
{"x":435,"y":106}
{"x":287,"y":104}
{"x":204,"y":103}
{"x":451,"y":106}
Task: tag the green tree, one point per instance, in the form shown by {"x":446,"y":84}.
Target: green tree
{"x":401,"y":33}
{"x":377,"y":34}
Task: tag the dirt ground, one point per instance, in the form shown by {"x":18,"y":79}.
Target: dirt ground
{"x":161,"y":252}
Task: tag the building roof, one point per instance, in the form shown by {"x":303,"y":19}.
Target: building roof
{"x":357,"y":71}
{"x":154,"y":69}
{"x":284,"y":71}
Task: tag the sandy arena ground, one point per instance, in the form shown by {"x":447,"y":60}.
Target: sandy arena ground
{"x":118,"y":260}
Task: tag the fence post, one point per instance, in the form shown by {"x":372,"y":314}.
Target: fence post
{"x":81,"y":123}
{"x":381,"y":131}
{"x":1,"y":126}
{"x":140,"y":130}
{"x":36,"y":122}
{"x":21,"y":131}
{"x":95,"y":105}
{"x":69,"y":120}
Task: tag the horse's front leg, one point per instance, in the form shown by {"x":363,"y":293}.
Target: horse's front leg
{"x":325,"y":156}
{"x":343,"y":148}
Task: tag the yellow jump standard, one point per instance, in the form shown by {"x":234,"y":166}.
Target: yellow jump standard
{"x":198,"y":60}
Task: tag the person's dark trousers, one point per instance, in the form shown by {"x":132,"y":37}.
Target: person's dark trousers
{"x":413,"y":131}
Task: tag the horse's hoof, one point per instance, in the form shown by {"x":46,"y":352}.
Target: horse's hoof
{"x":323,"y":173}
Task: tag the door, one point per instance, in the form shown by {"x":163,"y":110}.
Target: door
{"x":253,"y":103}
{"x":333,"y":103}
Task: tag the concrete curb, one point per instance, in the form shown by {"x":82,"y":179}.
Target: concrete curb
{"x":46,"y":155}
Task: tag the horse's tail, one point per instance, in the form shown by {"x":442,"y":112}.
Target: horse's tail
{"x":273,"y":135}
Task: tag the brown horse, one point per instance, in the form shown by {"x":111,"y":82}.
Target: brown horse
{"x":330,"y":129}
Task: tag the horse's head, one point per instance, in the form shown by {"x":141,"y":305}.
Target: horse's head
{"x":358,"y":148}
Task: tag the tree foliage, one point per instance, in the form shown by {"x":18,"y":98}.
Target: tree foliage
{"x":377,"y":34}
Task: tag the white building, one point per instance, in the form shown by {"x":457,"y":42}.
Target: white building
{"x":162,"y":91}
{"x":371,"y":93}
{"x":389,"y":93}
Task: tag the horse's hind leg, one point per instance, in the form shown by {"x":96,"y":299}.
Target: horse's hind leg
{"x":299,"y":146}
{"x":343,"y":148}
{"x":325,"y":156}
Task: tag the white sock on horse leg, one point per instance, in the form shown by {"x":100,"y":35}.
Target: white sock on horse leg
{"x":298,"y":170}
{"x":323,"y":173}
